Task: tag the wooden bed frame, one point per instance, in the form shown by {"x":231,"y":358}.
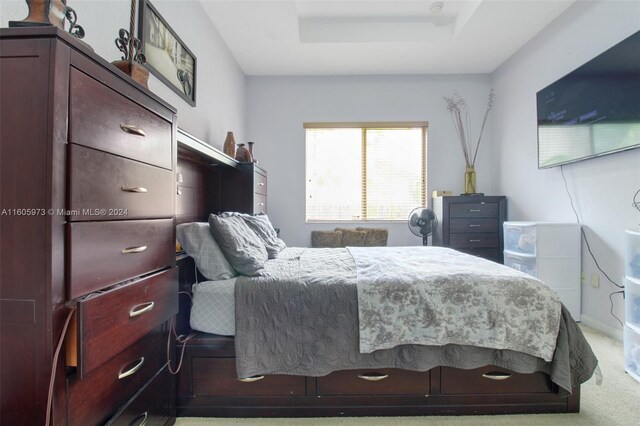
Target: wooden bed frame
{"x":207,"y":383}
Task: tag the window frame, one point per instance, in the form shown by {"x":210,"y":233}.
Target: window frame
{"x":363,"y":126}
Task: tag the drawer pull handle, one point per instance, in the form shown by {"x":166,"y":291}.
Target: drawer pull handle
{"x":260,"y":183}
{"x":133,"y":370}
{"x":250,"y":379}
{"x":474,"y":241}
{"x":474,"y":225}
{"x":142,"y":418}
{"x":261,"y":204}
{"x":138,"y":249}
{"x":474,"y":210}
{"x":496,"y":376}
{"x":136,"y":189}
{"x":141,"y":309}
{"x":133,"y":130}
{"x":372,"y":377}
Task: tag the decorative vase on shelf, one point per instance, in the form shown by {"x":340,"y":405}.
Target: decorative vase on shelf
{"x":250,"y":144}
{"x":243,"y":155}
{"x":470,"y":180}
{"x":229,"y":146}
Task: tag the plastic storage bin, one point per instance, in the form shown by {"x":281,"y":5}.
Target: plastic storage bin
{"x":632,"y":255}
{"x":632,"y":353}
{"x":632,"y":303}
{"x":520,"y":238}
{"x":521,"y":262}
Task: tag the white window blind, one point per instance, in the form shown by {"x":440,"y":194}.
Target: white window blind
{"x":364,"y":172}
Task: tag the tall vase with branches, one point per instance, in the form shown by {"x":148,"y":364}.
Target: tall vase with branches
{"x":461,"y":118}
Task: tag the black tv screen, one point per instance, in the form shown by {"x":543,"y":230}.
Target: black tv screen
{"x":594,"y":110}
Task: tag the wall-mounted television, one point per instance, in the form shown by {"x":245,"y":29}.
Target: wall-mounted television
{"x":594,"y":110}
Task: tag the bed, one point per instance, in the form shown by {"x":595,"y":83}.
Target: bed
{"x":295,"y":350}
{"x":301,"y":355}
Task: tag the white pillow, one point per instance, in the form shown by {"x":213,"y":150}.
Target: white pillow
{"x":198,"y":242}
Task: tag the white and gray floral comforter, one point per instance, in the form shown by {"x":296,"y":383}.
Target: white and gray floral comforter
{"x":439,"y":296}
{"x":301,"y":318}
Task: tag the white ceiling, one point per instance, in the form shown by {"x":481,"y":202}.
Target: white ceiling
{"x":332,"y":37}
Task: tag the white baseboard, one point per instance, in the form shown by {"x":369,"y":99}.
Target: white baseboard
{"x":616,"y":333}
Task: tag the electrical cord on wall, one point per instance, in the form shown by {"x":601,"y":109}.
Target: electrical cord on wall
{"x":56,"y":354}
{"x":586,"y":241}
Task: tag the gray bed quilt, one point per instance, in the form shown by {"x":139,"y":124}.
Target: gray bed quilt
{"x":301,"y":318}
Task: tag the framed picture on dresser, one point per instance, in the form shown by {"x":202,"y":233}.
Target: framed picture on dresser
{"x":168,"y":58}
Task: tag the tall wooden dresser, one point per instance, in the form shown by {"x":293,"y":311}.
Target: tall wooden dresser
{"x":87,"y":196}
{"x":471,"y":224}
{"x":249,"y":182}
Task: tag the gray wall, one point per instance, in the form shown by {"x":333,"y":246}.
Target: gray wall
{"x":602,"y":188}
{"x":277,"y":107}
{"x":220,"y":86}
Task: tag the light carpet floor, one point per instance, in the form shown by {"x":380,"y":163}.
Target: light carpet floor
{"x":615,"y":402}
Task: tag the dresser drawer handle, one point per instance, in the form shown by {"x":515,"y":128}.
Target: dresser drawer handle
{"x":133,"y":130}
{"x":372,"y":377}
{"x":142,"y":418}
{"x":133,"y":370}
{"x":474,"y":225}
{"x":250,"y":379}
{"x":260,"y":183}
{"x":496,"y":376}
{"x":474,"y":210}
{"x":136,"y":189}
{"x":141,"y":309}
{"x":261,"y":204}
{"x":474,"y":241}
{"x":138,"y":249}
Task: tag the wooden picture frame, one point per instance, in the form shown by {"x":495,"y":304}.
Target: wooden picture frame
{"x":168,"y":58}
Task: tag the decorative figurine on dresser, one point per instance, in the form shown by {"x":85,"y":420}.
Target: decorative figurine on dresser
{"x":87,"y":192}
{"x":471,"y":224}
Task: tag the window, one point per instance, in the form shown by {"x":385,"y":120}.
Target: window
{"x":365,"y":172}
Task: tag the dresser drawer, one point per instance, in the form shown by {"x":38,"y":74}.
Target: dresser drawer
{"x":111,"y":321}
{"x":102,"y":118}
{"x":492,"y":380}
{"x":474,"y":240}
{"x":260,"y":183}
{"x":96,"y":397}
{"x":107,"y":187}
{"x":493,"y":254}
{"x":375,"y":382}
{"x":151,"y":407}
{"x":105,"y":253}
{"x":473,"y":210}
{"x":217,"y":377}
{"x":259,"y":203}
{"x":467,"y":226}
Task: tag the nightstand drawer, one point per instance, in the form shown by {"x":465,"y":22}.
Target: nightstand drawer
{"x":260,"y":183}
{"x":107,"y":187}
{"x":474,"y":240}
{"x":387,"y":381}
{"x":111,"y":321}
{"x":95,"y":398}
{"x":102,"y":118}
{"x":473,"y":210}
{"x":259,"y":203}
{"x":105,"y":253}
{"x":466,"y":226}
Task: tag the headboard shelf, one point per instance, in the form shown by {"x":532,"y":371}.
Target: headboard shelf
{"x":191,"y":147}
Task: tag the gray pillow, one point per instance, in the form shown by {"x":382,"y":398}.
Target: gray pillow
{"x":197,"y":240}
{"x":263,"y":228}
{"x":241,"y":246}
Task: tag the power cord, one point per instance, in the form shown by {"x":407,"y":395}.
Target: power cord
{"x":586,"y":241}
{"x":53,"y":366}
{"x":180,"y":339}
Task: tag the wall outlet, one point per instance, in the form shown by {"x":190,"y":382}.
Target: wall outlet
{"x":595,"y":280}
{"x":583,"y":278}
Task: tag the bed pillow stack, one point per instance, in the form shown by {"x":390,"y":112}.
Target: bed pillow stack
{"x":261,"y":225}
{"x":198,"y":242}
{"x":244,"y":250}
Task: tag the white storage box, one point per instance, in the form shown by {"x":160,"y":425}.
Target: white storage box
{"x":632,"y":353}
{"x":520,"y":237}
{"x":632,"y":303}
{"x":632,"y":255}
{"x":521,"y":262}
